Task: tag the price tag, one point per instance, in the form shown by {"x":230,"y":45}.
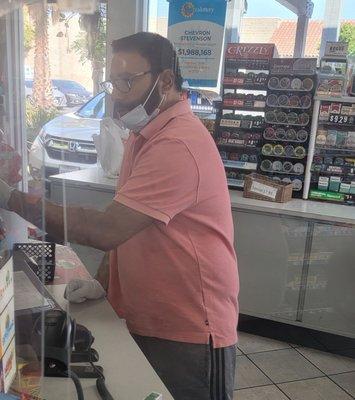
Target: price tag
{"x":233,"y":103}
{"x":233,"y":81}
{"x":234,"y":123}
{"x":339,"y":119}
{"x":264,"y":190}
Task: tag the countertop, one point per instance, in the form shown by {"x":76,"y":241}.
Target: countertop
{"x":309,"y":209}
{"x":95,"y":179}
{"x":128,"y":374}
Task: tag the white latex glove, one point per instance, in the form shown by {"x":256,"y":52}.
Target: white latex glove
{"x":79,"y":290}
{"x":5,"y":194}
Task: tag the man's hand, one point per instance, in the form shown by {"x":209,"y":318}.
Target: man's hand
{"x":79,"y":290}
{"x":5,"y":194}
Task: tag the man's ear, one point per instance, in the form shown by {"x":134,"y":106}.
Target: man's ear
{"x":168,"y":79}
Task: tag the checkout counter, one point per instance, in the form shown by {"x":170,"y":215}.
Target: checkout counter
{"x":128,"y":374}
{"x":296,"y":260}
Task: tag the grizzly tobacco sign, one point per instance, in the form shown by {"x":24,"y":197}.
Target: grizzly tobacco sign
{"x":250,"y":51}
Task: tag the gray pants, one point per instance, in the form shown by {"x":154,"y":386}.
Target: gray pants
{"x":191,"y":371}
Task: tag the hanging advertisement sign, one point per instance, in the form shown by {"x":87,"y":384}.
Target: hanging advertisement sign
{"x":196,"y":28}
{"x":336,"y":50}
{"x":250,"y":51}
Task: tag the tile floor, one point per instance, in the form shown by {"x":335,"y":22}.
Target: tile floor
{"x":269,"y":369}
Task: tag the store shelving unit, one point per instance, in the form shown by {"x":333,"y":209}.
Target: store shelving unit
{"x":241,"y":113}
{"x":291,"y":87}
{"x":330,"y":171}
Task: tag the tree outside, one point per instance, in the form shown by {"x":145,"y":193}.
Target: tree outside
{"x":42,"y":86}
{"x":29,"y":31}
{"x":347,"y":35}
{"x":91,"y":44}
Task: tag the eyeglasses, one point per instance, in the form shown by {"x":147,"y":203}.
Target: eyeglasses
{"x":123,"y":85}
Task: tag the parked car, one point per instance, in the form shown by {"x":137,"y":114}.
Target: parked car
{"x":74,"y":92}
{"x":60,"y":100}
{"x":65,"y":143}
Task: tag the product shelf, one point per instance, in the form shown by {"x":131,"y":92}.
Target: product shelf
{"x":315,"y":170}
{"x":334,"y":99}
{"x":285,"y":157}
{"x":238,"y":183}
{"x":240,"y":165}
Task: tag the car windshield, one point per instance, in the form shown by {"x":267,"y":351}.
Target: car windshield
{"x":67,"y":85}
{"x":95,"y":108}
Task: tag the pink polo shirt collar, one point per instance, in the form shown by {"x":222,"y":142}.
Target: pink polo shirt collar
{"x":154,"y":126}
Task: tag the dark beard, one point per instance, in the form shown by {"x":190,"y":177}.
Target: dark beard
{"x":150,"y":106}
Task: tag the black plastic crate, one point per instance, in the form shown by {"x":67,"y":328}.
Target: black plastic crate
{"x":42,"y":257}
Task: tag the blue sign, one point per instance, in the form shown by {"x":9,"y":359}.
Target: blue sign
{"x":196,"y":28}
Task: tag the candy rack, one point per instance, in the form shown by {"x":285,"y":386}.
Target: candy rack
{"x":241,"y":113}
{"x":288,"y":115}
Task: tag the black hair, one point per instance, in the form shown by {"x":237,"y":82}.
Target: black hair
{"x":156,"y":49}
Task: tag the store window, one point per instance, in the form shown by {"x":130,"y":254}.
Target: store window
{"x":62,"y":87}
{"x":158,"y":17}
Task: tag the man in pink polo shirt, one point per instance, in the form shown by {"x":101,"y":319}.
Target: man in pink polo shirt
{"x":172,"y":265}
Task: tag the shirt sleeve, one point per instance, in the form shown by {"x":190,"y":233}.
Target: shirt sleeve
{"x":164,"y":181}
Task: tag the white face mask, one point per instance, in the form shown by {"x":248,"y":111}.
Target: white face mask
{"x":137,"y":119}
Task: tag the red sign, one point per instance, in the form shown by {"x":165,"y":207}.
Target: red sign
{"x":233,"y":103}
{"x":228,"y":80}
{"x":250,"y":51}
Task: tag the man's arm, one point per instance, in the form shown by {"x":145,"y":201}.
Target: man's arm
{"x":103,"y":273}
{"x":103,"y":230}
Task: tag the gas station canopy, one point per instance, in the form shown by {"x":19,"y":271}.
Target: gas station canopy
{"x":303,"y":9}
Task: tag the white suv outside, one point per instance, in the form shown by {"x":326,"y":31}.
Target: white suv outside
{"x":65,"y":143}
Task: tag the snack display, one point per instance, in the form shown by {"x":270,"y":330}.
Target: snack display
{"x":241,"y":116}
{"x":283,"y":118}
{"x":289,"y":101}
{"x":332,"y":169}
{"x":286,"y":167}
{"x":242,"y":79}
{"x":296,"y":84}
{"x":288,"y":115}
{"x":241,"y":100}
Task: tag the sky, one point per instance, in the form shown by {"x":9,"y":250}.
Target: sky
{"x":258,"y":8}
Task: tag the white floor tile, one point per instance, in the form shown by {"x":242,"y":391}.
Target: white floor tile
{"x":327,"y":362}
{"x":239,"y":353}
{"x":285,"y":365}
{"x":314,"y":389}
{"x":346,"y":381}
{"x":248,"y":375}
{"x":260,"y":393}
{"x":253,"y":344}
